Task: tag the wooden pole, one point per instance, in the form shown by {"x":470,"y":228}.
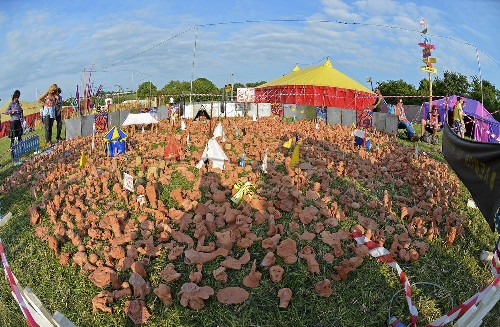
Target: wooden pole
{"x":422,"y":127}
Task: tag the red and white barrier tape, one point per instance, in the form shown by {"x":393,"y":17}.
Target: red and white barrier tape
{"x":464,"y":307}
{"x":383,"y":255}
{"x":495,"y":263}
{"x":495,"y":137}
{"x":19,"y":299}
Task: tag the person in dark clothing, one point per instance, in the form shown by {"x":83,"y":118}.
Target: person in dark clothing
{"x":378,"y":100}
{"x":16,"y":116}
{"x":59,"y":115}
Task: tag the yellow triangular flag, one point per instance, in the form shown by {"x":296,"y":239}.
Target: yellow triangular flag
{"x":83,"y":160}
{"x":288,"y":144}
{"x":295,"y":156}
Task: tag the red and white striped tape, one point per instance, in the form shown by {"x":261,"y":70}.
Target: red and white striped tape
{"x":383,"y":255}
{"x":495,"y":137}
{"x":495,"y":262}
{"x":19,"y":299}
{"x":464,"y":307}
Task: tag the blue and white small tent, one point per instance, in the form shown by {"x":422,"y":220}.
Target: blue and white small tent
{"x":115,"y":142}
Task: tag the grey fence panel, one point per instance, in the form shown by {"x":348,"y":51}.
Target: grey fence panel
{"x":113,"y":119}
{"x":348,"y":117}
{"x":87,"y":125}
{"x":333,"y":116}
{"x":162,"y":113}
{"x":73,"y":127}
{"x":391,"y":124}
{"x":378,"y":121}
{"x":300,"y":112}
{"x":289,"y":110}
{"x":123,"y":116}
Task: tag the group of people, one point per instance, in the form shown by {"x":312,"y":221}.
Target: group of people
{"x":52,"y":110}
{"x":431,"y":124}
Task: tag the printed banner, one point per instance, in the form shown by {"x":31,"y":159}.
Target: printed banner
{"x":477,"y":165}
{"x":245,"y":94}
{"x":101,"y":122}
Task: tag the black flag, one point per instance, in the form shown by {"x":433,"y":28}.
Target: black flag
{"x":477,"y":164}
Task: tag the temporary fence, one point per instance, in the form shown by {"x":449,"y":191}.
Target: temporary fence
{"x":471,"y":312}
{"x":35,"y":313}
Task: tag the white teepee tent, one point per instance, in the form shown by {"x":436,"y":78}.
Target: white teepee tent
{"x":214,"y":153}
{"x":218,"y":130}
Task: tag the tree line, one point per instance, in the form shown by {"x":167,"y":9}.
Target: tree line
{"x":451,"y":83}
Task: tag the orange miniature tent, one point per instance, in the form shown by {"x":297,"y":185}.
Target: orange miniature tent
{"x":173,"y":149}
{"x":320,"y":85}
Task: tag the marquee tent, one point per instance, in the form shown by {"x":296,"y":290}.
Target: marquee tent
{"x":483,"y":122}
{"x":115,"y":142}
{"x":142,"y":118}
{"x":320,"y":85}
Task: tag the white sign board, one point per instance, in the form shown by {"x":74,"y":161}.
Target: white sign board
{"x":245,"y":95}
{"x":128,"y":182}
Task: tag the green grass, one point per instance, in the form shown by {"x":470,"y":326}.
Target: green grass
{"x":364,"y":299}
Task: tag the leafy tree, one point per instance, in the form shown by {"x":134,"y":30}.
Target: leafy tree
{"x":255,"y":84}
{"x":452,"y":83}
{"x":392,"y":89}
{"x":488,"y":97}
{"x":175,"y":89}
{"x":204,"y":86}
{"x":146,"y":89}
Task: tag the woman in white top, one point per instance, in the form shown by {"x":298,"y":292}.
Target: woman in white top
{"x":49,"y":100}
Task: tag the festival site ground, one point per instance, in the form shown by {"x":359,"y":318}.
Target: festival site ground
{"x":71,"y":221}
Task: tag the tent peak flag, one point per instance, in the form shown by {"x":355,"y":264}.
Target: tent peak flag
{"x":328,"y":63}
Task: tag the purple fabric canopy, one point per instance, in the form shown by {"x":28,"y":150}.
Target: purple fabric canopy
{"x":483,"y":120}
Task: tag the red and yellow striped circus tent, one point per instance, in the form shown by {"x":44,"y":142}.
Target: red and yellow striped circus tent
{"x":320,"y":85}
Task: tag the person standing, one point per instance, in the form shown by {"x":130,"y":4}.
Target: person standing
{"x":378,"y":99}
{"x":404,"y":123}
{"x":59,"y":115}
{"x":458,"y":118}
{"x":15,"y":111}
{"x":49,"y":100}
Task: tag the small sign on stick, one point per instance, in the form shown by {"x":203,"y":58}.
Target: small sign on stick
{"x":128,"y":182}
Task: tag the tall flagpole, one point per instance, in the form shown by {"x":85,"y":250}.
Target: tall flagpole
{"x":192,"y":69}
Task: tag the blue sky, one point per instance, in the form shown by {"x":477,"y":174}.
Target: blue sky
{"x":128,"y":42}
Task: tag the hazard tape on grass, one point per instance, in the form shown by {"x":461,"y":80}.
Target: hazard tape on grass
{"x":15,"y":290}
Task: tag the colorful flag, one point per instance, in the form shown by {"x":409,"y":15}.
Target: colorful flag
{"x":242,"y":188}
{"x":295,"y":156}
{"x":288,"y":144}
{"x":83,"y":160}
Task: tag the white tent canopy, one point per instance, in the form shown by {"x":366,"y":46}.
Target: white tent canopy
{"x":218,"y":130}
{"x":139,"y":119}
{"x":214,"y":153}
